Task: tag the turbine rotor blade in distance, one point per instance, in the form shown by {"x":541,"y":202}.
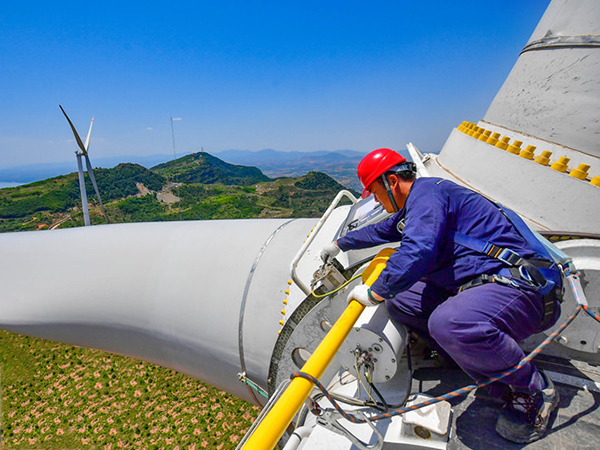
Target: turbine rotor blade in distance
{"x":93,"y":178}
{"x":77,"y":138}
{"x":87,"y":139}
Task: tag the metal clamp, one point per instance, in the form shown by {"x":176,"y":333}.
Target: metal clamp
{"x":329,"y":420}
{"x":309,"y":240}
{"x":330,"y":275}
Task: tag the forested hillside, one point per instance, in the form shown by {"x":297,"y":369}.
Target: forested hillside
{"x":194,"y":187}
{"x":204,"y":168}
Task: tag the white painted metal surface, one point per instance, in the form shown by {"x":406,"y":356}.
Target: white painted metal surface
{"x":553,"y":91}
{"x":550,"y":200}
{"x":174,"y":294}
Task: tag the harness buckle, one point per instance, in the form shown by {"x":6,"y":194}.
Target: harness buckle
{"x":505,"y":281}
{"x":509,"y":257}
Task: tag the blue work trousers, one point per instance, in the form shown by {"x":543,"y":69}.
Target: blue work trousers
{"x":478,"y":328}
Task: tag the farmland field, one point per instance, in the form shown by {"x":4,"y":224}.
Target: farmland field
{"x":60,"y":396}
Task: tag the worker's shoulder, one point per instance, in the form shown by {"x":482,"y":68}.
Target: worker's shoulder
{"x":441,"y":185}
{"x":433,"y":184}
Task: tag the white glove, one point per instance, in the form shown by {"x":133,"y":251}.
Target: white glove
{"x":329,"y":252}
{"x":361,"y":294}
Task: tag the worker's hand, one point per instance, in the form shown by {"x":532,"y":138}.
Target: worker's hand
{"x":363,"y":294}
{"x":329,"y":252}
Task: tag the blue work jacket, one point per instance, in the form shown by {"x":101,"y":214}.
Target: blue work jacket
{"x":434,"y":209}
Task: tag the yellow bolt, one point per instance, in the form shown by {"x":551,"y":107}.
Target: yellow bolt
{"x":485,"y":135}
{"x":278,"y":331}
{"x":581,"y":172}
{"x":561,"y":164}
{"x":290,"y":282}
{"x":283,"y":312}
{"x":544,"y":158}
{"x":281,"y":322}
{"x":285,"y":301}
{"x":287,"y":292}
{"x":503,"y":144}
{"x":528,"y":152}
{"x":515,"y":148}
{"x":596,"y":181}
{"x":493,"y":139}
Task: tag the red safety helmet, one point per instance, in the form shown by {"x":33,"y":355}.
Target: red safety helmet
{"x":376,"y":164}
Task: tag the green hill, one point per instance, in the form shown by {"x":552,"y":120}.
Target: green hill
{"x":40,"y":204}
{"x":194,"y":187}
{"x":206,"y":169}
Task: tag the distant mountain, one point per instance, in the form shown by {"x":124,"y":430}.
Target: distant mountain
{"x":340,"y":164}
{"x":206,"y":169}
{"x":269,"y":155}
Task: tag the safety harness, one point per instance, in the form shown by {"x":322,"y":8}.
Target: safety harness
{"x":542,"y":275}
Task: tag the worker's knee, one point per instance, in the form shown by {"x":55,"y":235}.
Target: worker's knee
{"x":451,"y":328}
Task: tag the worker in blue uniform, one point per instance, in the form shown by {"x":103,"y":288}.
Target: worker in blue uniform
{"x":473,"y":306}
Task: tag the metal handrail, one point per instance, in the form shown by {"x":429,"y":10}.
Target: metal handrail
{"x":311,"y":238}
{"x":418,"y":159}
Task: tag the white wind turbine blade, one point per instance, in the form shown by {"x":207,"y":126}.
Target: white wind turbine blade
{"x":87,"y":139}
{"x":77,"y":138}
{"x":93,"y":178}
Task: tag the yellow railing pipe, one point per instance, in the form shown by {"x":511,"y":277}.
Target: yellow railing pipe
{"x":272,"y":427}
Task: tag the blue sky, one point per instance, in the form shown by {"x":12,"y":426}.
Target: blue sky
{"x":300,"y":76}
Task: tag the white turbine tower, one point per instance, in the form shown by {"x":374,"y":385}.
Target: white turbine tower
{"x":90,"y":170}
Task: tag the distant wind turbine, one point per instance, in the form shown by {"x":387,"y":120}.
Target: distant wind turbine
{"x":90,"y":170}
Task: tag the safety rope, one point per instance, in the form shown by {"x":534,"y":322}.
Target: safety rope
{"x":592,"y":314}
{"x":581,"y":304}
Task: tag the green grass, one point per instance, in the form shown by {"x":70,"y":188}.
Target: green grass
{"x":61,"y":396}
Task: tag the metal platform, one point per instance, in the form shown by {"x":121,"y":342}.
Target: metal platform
{"x":575,"y":425}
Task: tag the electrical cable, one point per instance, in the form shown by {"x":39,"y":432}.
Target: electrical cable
{"x":386,"y":407}
{"x":360,"y":380}
{"x":337,"y":289}
{"x":253,"y":385}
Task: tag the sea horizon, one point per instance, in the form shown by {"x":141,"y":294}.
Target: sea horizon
{"x":7,"y":184}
